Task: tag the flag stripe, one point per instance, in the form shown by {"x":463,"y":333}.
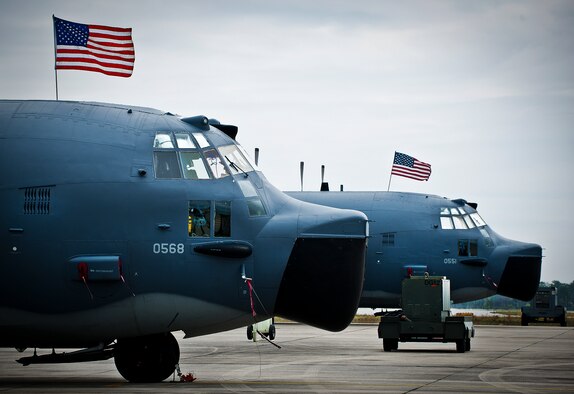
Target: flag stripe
{"x":125,"y":30}
{"x":80,"y":51}
{"x":89,"y":59}
{"x":102,"y":70}
{"x":98,"y":48}
{"x":409,"y":167}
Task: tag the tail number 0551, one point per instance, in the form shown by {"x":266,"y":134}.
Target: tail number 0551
{"x":166,"y":248}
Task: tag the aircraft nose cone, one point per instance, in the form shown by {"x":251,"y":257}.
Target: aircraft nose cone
{"x":323,"y":279}
{"x":521,"y":275}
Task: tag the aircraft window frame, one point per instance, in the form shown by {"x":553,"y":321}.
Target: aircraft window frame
{"x":235,"y":159}
{"x":388,"y":239}
{"x":197,"y":170}
{"x":460,"y":218}
{"x":469,"y":221}
{"x":248,"y":158}
{"x":446,"y":223}
{"x":477,"y":219}
{"x":166,"y":163}
{"x":201,"y":140}
{"x":184,"y":141}
{"x":255,"y":207}
{"x":215,"y":163}
{"x":247,"y":188}
{"x":459,"y":223}
{"x":467,"y":248}
{"x":199,"y":218}
{"x":158,"y":142}
{"x":486,"y":236}
{"x":222,"y":218}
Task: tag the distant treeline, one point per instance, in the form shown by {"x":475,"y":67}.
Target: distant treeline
{"x":565,"y":298}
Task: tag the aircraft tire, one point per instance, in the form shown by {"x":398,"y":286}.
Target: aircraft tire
{"x":250,"y":332}
{"x":467,"y":344}
{"x":148,"y":359}
{"x":271,"y":332}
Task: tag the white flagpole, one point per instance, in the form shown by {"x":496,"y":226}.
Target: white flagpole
{"x":55,"y":54}
{"x":391,"y":176}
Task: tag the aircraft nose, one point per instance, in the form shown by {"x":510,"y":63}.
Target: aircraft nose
{"x":521,"y":275}
{"x":323,"y":279}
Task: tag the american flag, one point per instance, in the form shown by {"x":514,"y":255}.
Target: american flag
{"x":104,"y":49}
{"x":407,"y":166}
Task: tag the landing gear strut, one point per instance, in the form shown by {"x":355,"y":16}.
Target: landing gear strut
{"x":147,"y":359}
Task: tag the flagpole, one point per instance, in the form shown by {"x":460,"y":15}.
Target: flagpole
{"x":55,"y":54}
{"x":391,"y":176}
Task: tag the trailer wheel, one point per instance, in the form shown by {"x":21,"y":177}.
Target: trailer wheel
{"x":390,"y":344}
{"x":563,"y":320}
{"x":460,"y":345}
{"x":524,"y":320}
{"x":467,"y":344}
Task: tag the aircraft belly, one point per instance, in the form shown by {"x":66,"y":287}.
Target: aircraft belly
{"x":467,"y":294}
{"x":140,"y":315}
{"x":379,"y":299}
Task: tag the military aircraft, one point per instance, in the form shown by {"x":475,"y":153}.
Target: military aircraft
{"x":122,"y":224}
{"x":414,"y":234}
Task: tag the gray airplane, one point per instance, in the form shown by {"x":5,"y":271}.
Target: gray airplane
{"x":411,"y":234}
{"x":121,"y":224}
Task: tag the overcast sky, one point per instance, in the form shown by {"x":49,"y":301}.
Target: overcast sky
{"x":483,"y":91}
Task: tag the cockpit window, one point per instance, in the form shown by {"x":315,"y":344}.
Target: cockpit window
{"x":467,"y":247}
{"x":477,"y":219}
{"x":215,"y":164}
{"x":248,"y":158}
{"x":199,"y":218}
{"x":193,"y":166}
{"x":166,"y":164}
{"x":459,"y":219}
{"x":254,"y":204}
{"x":184,"y":141}
{"x":235,"y":159}
{"x":459,"y":223}
{"x":200,"y":138}
{"x":222,"y":220}
{"x":176,"y":155}
{"x":446,"y":223}
{"x":163,"y":141}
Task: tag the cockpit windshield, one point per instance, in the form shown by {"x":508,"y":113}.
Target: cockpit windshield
{"x":193,"y":156}
{"x":235,"y":159}
{"x":460,"y":219}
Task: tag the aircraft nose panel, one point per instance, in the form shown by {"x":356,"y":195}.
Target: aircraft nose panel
{"x":322,"y":282}
{"x":521,"y":275}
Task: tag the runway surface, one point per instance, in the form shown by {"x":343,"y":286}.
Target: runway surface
{"x":503,"y":359}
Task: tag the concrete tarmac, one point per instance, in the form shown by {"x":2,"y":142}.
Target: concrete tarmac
{"x":503,"y":359}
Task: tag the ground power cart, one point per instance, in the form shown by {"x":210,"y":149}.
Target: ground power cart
{"x":544,"y":308}
{"x":425,"y":316}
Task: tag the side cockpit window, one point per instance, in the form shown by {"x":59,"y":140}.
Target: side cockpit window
{"x":199,"y":218}
{"x":166,"y":165}
{"x":209,"y":218}
{"x":467,"y":247}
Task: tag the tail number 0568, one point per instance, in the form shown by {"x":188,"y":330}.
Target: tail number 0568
{"x":166,"y":248}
